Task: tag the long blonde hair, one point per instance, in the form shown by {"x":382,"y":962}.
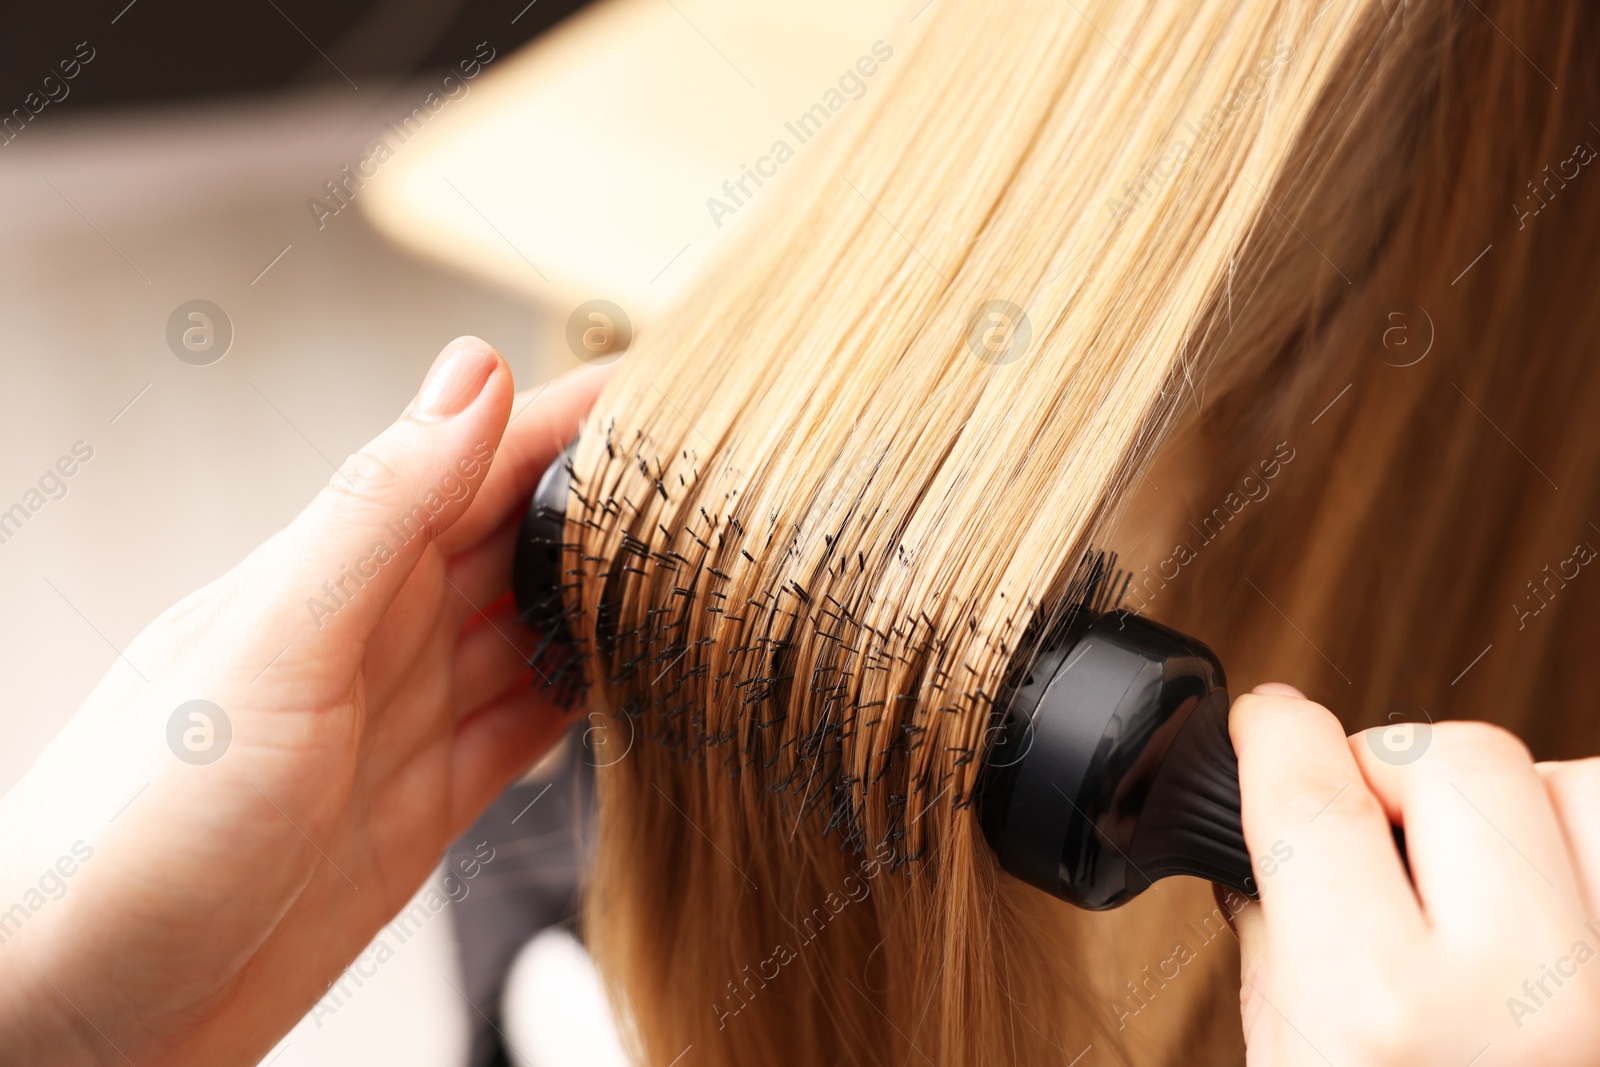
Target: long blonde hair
{"x":1081,"y":275}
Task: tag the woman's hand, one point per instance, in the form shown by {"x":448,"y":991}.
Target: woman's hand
{"x":1489,"y":953}
{"x":188,"y":878}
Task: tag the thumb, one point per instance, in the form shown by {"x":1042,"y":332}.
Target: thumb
{"x":1250,"y":926}
{"x":343,"y":559}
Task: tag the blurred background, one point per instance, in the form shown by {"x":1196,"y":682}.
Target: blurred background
{"x":176,"y":166}
{"x":212,"y":285}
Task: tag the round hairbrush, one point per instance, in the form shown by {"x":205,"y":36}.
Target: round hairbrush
{"x":1110,"y":766}
{"x":1106,"y":768}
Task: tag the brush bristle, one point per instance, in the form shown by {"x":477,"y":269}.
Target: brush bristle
{"x":665,"y":677}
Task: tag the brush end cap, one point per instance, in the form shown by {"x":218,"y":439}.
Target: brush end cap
{"x":1111,"y":767}
{"x":536,"y":572}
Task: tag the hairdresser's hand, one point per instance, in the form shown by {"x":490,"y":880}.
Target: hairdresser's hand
{"x":372,"y":718}
{"x":1493,"y":957}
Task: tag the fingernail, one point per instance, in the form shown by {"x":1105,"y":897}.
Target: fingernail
{"x":457,"y":377}
{"x":1278,"y":689}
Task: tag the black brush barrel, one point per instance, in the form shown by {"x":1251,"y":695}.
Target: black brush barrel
{"x":536,"y":573}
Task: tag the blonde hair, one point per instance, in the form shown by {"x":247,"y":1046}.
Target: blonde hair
{"x":818,"y":510}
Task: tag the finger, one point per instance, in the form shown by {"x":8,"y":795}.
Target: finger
{"x":1251,"y":929}
{"x":414,"y":637}
{"x":542,"y":423}
{"x":1278,"y":689}
{"x":491,"y":657}
{"x":482,"y":574}
{"x":1481,"y":834}
{"x":1574,"y":789}
{"x":351,"y":550}
{"x":1304,"y":798}
{"x":495,"y":744}
{"x":1244,"y":915}
{"x":406,"y":671}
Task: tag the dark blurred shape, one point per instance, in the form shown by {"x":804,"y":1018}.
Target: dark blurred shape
{"x":187,"y":50}
{"x":539,"y":830}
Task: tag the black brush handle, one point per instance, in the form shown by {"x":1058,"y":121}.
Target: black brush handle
{"x":1112,"y":767}
{"x":1189,"y":822}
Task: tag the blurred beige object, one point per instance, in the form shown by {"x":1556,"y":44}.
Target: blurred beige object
{"x":582,"y":167}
